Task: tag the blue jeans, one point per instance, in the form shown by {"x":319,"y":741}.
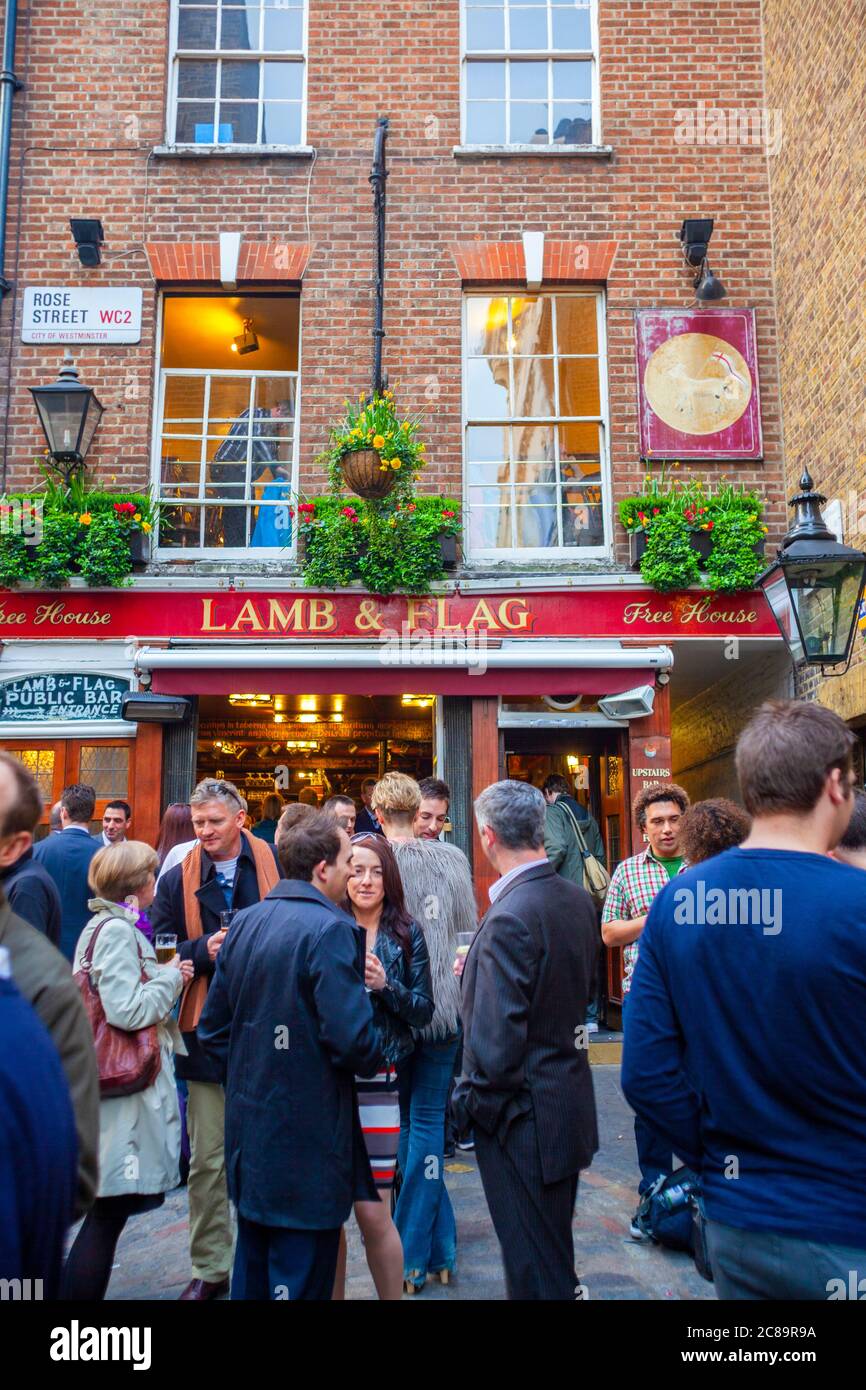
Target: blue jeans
{"x":653,"y":1152}
{"x":424,"y":1215}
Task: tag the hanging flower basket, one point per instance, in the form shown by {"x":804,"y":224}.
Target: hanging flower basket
{"x":363,"y":474}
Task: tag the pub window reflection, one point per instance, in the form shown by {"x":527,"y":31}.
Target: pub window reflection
{"x":228,"y":422}
{"x":535,"y":431}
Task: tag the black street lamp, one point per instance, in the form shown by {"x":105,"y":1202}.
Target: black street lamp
{"x":69,"y":414}
{"x":815,"y":585}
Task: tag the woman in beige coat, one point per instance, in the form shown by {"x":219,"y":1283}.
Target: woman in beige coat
{"x":139,"y":1135}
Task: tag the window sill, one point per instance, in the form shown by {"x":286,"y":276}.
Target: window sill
{"x":234,"y":151}
{"x":531,"y":151}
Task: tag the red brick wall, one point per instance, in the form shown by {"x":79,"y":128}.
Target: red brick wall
{"x":817,"y":191}
{"x":93,"y":109}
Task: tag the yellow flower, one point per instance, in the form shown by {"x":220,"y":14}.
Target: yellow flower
{"x":378,"y":442}
{"x":754,"y":518}
{"x":393,"y":521}
{"x":395,"y":463}
{"x":146,"y":527}
{"x":765,"y":529}
{"x":114,"y":477}
{"x":85,"y":519}
{"x":383,"y":468}
{"x":421,"y":448}
{"x":137,"y":516}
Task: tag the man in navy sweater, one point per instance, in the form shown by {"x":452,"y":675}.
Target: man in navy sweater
{"x":746,"y":1032}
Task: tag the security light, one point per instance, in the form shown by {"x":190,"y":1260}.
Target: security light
{"x":88,"y":236}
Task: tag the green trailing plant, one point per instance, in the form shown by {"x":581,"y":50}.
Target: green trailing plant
{"x":671,"y":515}
{"x":85,"y":531}
{"x":373,"y":423}
{"x":104,"y":559}
{"x":391,"y":546}
{"x":58,"y":551}
{"x":669,"y":562}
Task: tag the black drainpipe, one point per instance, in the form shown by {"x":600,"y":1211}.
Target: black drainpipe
{"x":9,"y":85}
{"x":378,"y":175}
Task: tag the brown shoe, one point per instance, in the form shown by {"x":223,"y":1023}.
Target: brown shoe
{"x":199,"y":1290}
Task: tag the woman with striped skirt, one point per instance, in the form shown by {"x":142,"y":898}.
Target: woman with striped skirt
{"x":397,"y":976}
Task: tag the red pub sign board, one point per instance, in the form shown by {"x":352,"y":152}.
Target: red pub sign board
{"x":263,"y":616}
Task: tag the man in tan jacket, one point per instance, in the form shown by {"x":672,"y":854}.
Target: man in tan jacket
{"x":45,"y":980}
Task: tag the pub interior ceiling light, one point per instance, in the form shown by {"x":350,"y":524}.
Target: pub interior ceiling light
{"x":88,"y":236}
{"x":250,"y":701}
{"x":417,"y":701}
{"x":246,"y":341}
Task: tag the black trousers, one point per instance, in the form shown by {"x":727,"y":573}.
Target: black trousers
{"x":275,"y":1263}
{"x":532,"y":1219}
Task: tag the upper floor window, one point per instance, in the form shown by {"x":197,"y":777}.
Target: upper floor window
{"x":227,"y":421}
{"x":535,"y":414}
{"x":237,"y":73}
{"x":530,"y":72}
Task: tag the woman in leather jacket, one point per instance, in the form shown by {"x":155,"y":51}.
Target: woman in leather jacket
{"x":397,"y":976}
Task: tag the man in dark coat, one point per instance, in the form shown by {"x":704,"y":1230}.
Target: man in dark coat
{"x":30,"y":889}
{"x":37,"y":1147}
{"x":228,"y":870}
{"x":66,"y":857}
{"x":42,"y":975}
{"x":289,"y":1024}
{"x":526,"y":1085}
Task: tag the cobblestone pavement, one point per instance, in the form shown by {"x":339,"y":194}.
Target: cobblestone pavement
{"x":153,"y":1260}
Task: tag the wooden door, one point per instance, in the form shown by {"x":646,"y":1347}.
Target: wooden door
{"x":120,"y":769}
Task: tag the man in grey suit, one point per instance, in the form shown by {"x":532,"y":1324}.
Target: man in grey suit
{"x":526,"y":1085}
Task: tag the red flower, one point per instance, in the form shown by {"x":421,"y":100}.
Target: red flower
{"x":410,"y":507}
{"x":655,"y":511}
{"x":710,"y":525}
{"x":641,"y":516}
{"x":448,"y":515}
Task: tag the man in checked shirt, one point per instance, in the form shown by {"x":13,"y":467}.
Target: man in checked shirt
{"x":658,"y":809}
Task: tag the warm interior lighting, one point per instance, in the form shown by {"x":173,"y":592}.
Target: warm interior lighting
{"x":308,"y":719}
{"x":417,"y":701}
{"x":251,"y":701}
{"x":336,"y":718}
{"x":308,"y":702}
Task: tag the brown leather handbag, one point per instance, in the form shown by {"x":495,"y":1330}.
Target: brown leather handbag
{"x":127,"y":1062}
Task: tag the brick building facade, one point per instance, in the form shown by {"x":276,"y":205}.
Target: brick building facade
{"x":579,"y":131}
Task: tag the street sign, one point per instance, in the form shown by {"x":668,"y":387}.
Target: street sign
{"x":70,"y":314}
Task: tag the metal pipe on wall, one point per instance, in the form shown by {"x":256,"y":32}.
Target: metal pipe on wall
{"x":9,"y":85}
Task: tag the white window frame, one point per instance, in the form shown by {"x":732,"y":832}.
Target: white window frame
{"x":176,"y":55}
{"x":507,"y":55}
{"x":250,"y":554}
{"x":517,"y":554}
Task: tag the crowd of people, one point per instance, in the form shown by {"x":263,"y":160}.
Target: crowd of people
{"x":296,"y":1011}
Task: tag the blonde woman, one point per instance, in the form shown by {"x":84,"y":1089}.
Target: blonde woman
{"x":437,"y":886}
{"x":139,"y":1135}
